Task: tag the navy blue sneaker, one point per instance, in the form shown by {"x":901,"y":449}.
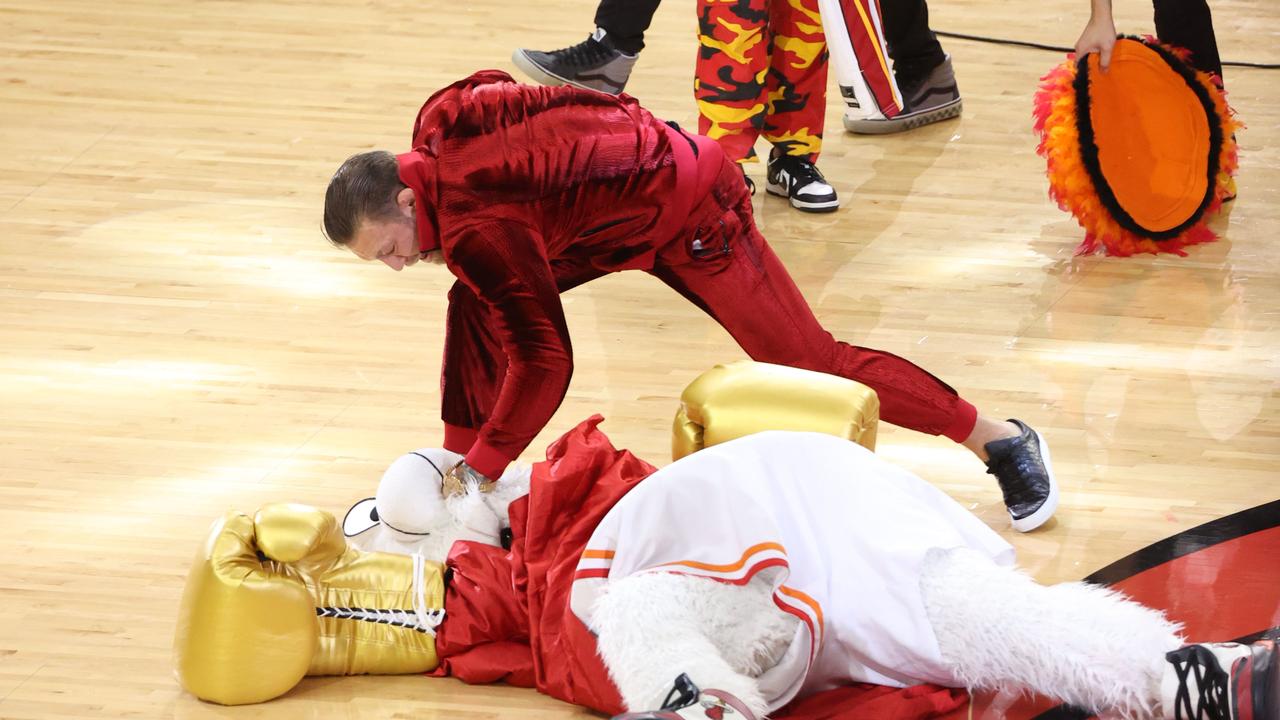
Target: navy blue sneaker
{"x":1022,"y":466}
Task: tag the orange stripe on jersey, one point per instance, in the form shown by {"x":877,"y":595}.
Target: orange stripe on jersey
{"x":732,"y":567}
{"x":591,"y":573}
{"x":813,"y":604}
{"x":598,"y":555}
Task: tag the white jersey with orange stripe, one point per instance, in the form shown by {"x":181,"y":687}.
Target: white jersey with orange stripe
{"x":839,"y":534}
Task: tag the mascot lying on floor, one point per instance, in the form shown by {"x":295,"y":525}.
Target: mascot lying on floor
{"x":758,"y":572}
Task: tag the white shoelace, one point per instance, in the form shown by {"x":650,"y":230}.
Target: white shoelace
{"x":428,"y":619}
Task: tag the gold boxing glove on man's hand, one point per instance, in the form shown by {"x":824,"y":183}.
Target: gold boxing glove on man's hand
{"x":278,"y":596}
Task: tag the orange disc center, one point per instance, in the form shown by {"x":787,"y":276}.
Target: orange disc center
{"x":1152,"y":135}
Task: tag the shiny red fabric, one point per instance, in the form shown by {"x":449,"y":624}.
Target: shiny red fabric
{"x":530,"y":191}
{"x":507,"y":615}
{"x":876,"y":702}
{"x":508,"y":177}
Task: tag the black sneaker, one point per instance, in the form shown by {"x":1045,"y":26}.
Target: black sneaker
{"x":751,"y":184}
{"x":1222,"y":681}
{"x":794,"y":177}
{"x":1022,"y":466}
{"x":686,"y":701}
{"x":593,"y":64}
{"x":927,"y":100}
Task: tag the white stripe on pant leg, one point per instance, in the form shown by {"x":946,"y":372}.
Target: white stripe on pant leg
{"x":1078,"y":643}
{"x":845,"y":61}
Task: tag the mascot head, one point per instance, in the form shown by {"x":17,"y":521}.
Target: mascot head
{"x":410,"y":515}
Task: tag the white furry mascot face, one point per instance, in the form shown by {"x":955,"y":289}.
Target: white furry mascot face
{"x":410,"y":516}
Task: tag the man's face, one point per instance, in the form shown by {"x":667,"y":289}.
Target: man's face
{"x":393,"y":241}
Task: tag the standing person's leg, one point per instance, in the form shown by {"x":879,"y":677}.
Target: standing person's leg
{"x":626,"y":22}
{"x":733,"y":57}
{"x":855,"y":38}
{"x":748,"y":291}
{"x":605,"y":59}
{"x":912,"y":45}
{"x":1189,"y":24}
{"x":796,"y":83}
{"x":796,"y":89}
{"x":737,"y":280}
{"x":922,"y":70}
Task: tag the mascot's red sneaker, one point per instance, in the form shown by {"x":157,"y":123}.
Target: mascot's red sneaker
{"x":687,"y":702}
{"x":1223,"y":681}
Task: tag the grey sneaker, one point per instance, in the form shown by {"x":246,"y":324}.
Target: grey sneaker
{"x":930,"y":99}
{"x":593,"y":64}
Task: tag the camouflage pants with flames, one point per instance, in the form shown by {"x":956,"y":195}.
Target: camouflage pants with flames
{"x":762,"y":71}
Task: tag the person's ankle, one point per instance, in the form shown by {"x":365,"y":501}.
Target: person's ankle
{"x":630,"y":47}
{"x":987,"y":430}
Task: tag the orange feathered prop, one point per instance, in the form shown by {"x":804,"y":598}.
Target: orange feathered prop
{"x":1140,"y":154}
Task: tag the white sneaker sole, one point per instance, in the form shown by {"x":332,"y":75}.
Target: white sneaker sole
{"x":542,"y":77}
{"x":1041,"y":516}
{"x":868,"y":126}
{"x":805,"y":205}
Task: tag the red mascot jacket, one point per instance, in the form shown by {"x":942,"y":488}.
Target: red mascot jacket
{"x":526,"y":191}
{"x":508,"y":617}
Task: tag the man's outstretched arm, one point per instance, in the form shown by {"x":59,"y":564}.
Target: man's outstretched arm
{"x":507,"y":303}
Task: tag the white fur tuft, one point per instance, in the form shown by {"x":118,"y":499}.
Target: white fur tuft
{"x":653,"y":626}
{"x":1082,"y":644}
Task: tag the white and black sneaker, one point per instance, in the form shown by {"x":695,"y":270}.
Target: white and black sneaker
{"x":593,"y":64}
{"x":1222,"y":681}
{"x":1024,"y":470}
{"x":795,"y":178}
{"x":926,"y":100}
{"x":687,"y":702}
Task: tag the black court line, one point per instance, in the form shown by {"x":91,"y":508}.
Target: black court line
{"x":1230,"y":527}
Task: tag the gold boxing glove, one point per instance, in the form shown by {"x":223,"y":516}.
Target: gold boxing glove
{"x":745,"y":397}
{"x":278,"y":596}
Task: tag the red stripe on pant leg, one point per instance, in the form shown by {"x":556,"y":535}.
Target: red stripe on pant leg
{"x":869,"y":47}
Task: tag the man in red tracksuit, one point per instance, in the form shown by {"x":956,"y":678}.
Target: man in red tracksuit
{"x":526,"y":192}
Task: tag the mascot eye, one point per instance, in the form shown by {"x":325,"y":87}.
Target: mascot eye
{"x":362,"y":516}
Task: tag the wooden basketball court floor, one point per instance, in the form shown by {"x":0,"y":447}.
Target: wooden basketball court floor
{"x":177,"y":339}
